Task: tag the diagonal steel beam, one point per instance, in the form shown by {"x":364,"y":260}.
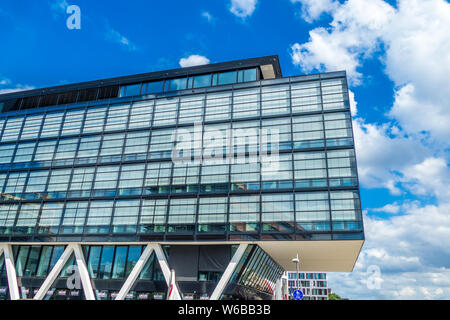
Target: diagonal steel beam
{"x":217,"y":293}
{"x":54,"y":273}
{"x":11,"y":272}
{"x":83,"y":272}
{"x":135,"y":273}
{"x":175,"y":295}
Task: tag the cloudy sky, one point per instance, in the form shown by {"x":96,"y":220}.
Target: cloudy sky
{"x":397,"y":57}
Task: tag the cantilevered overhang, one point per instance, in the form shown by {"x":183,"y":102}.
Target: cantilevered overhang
{"x":324,"y":256}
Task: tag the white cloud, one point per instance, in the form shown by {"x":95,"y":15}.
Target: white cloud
{"x":208,"y":16}
{"x":115,"y":37}
{"x":16,"y":88}
{"x":354,"y":33}
{"x":417,"y":54}
{"x":243,"y":8}
{"x":193,"y":60}
{"x":409,"y":151}
{"x":383,"y":156}
{"x":411,"y":250}
{"x":59,"y":7}
{"x":313,"y":9}
{"x":389,"y":208}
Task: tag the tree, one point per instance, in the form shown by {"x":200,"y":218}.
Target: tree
{"x":334,"y":296}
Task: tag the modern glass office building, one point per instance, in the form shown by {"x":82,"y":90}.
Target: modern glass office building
{"x":312,"y":284}
{"x":205,"y":180}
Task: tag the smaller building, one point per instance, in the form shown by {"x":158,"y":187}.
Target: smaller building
{"x":314,"y":285}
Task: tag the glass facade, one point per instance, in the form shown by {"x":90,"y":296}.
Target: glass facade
{"x":207,"y":156}
{"x":108,"y":169}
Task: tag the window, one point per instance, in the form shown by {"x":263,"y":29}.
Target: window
{"x":59,"y":180}
{"x":161,"y":144}
{"x":178,"y":84}
{"x":141,"y":114}
{"x":126,"y":215}
{"x":310,"y":169}
{"x":51,"y":214}
{"x":338,"y":129}
{"x":112,"y":145}
{"x":246,"y":103}
{"x":165,"y":112}
{"x":31,"y":127}
{"x":185,"y":176}
{"x":16,"y":182}
{"x":312,"y":207}
{"x":277,"y":174}
{"x":250,"y":75}
{"x":308,"y":132}
{"x":45,"y":150}
{"x":152,"y":87}
{"x":119,"y":262}
{"x":106,"y":177}
{"x":24,"y":152}
{"x":158,"y":174}
{"x":182,"y":211}
{"x":28,"y":215}
{"x":191,"y":109}
{"x":117,"y":117}
{"x":52,"y":125}
{"x":72,"y":122}
{"x":212,"y":210}
{"x":6,"y":152}
{"x":275,"y":100}
{"x":82,"y":179}
{"x":12,"y":129}
{"x":75,"y":216}
{"x":130,"y":90}
{"x":305,"y":97}
{"x":66,"y":149}
{"x":344,"y":205}
{"x":227,"y":78}
{"x":8,"y":214}
{"x":153,"y":213}
{"x":202,"y":81}
{"x":277,"y":207}
{"x":212,"y":173}
{"x":131,"y":179}
{"x":136,"y":145}
{"x":218,"y":106}
{"x":244,"y":209}
{"x":342,"y":168}
{"x":246,"y":175}
{"x":95,"y":119}
{"x":37,"y":181}
{"x":89,"y":147}
{"x":100,"y":213}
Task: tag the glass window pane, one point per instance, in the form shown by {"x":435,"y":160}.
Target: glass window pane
{"x":227,"y":78}
{"x":119,"y":262}
{"x":153,"y":87}
{"x":202,"y":81}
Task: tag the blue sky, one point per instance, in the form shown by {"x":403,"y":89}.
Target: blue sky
{"x":396,"y":54}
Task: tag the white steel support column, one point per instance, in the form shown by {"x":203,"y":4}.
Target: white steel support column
{"x":54,"y":273}
{"x":11,"y":272}
{"x":135,"y":273}
{"x":83,"y":272}
{"x":1,"y":251}
{"x":228,"y":272}
{"x":166,"y":271}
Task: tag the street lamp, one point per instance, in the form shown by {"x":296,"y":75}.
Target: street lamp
{"x":297,"y":261}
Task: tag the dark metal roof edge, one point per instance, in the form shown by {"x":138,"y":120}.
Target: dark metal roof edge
{"x":150,"y":76}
